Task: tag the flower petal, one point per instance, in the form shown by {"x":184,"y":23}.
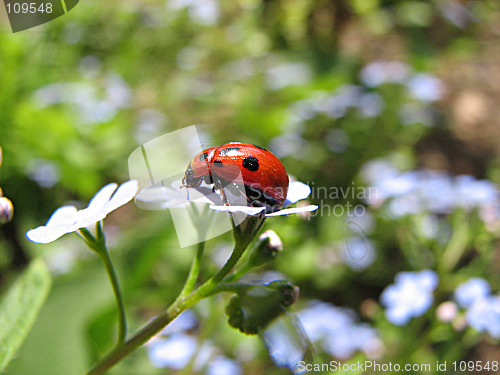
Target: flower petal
{"x":65,"y":215}
{"x":160,"y":198}
{"x":101,"y":198}
{"x":245,"y":209}
{"x":45,"y":235}
{"x":88,"y":217}
{"x":123,"y":195}
{"x":295,"y":210}
{"x":62,"y":221}
{"x":296,"y":191}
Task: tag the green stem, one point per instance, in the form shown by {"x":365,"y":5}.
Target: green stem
{"x":122,"y":320}
{"x":237,"y":274}
{"x":456,"y":247}
{"x":209,"y":288}
{"x":98,"y":245}
{"x":193,"y":272}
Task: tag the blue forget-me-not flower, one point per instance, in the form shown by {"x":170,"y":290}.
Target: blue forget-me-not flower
{"x":410,"y":296}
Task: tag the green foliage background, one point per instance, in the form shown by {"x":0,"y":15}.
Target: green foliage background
{"x":186,"y":70}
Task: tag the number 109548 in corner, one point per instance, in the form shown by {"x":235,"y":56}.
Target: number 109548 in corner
{"x":484,"y":366}
{"x":25,"y":8}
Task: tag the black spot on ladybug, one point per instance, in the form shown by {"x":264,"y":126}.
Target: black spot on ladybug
{"x":251,"y":163}
{"x":203,"y":156}
{"x":218,"y":163}
{"x":261,"y":148}
{"x":228,"y":150}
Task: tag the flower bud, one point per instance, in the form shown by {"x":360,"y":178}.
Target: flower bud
{"x":447,"y":311}
{"x":256,"y":306}
{"x":267,"y":249}
{"x":6,"y":210}
{"x":273,"y":240}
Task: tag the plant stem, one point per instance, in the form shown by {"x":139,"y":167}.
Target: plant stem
{"x":98,"y":245}
{"x":122,"y":320}
{"x":180,"y":305}
{"x":456,"y":246}
{"x":193,"y":272}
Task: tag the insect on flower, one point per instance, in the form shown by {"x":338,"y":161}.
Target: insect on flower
{"x":253,"y":171}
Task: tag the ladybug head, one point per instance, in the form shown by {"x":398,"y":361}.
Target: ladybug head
{"x":189,"y":180}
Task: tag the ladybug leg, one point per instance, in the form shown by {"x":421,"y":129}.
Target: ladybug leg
{"x":218,"y":186}
{"x":224,"y":198}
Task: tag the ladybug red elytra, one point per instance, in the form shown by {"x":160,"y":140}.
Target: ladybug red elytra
{"x":264,"y":176}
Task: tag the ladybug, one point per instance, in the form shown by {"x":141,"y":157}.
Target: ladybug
{"x":264,"y":177}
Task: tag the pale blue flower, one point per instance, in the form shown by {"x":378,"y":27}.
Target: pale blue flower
{"x":336,"y":106}
{"x":437,"y":191}
{"x":430,"y":226}
{"x":287,"y":144}
{"x":484,"y":315}
{"x":397,"y":185}
{"x":149,"y":124}
{"x":375,"y":171}
{"x":358,"y":253}
{"x":344,"y":342}
{"x":288,"y":74}
{"x":473,"y":193}
{"x":456,"y":12}
{"x":87,"y":100}
{"x":370,"y":104}
{"x":337,"y":330}
{"x":408,"y":204}
{"x":426,"y":87}
{"x":337,"y":140}
{"x":410,"y":296}
{"x":380,"y":72}
{"x":44,"y":172}
{"x":205,"y":12}
{"x":284,"y":343}
{"x":184,"y":322}
{"x":174,"y":352}
{"x":414,"y":192}
{"x":472,"y":290}
{"x":223,"y":366}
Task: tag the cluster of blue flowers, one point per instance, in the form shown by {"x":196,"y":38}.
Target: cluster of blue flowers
{"x":415,"y":192}
{"x":337,"y":331}
{"x":175,"y":347}
{"x":482,"y":308}
{"x":423,"y":89}
{"x":85,"y":98}
{"x":410,"y":296}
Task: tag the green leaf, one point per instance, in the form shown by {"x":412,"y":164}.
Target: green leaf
{"x":19,"y":308}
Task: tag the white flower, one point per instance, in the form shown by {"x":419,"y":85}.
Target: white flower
{"x":296,"y":191}
{"x":68,"y":219}
{"x":162,"y":196}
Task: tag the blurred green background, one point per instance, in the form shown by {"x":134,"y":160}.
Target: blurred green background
{"x":329,"y":86}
